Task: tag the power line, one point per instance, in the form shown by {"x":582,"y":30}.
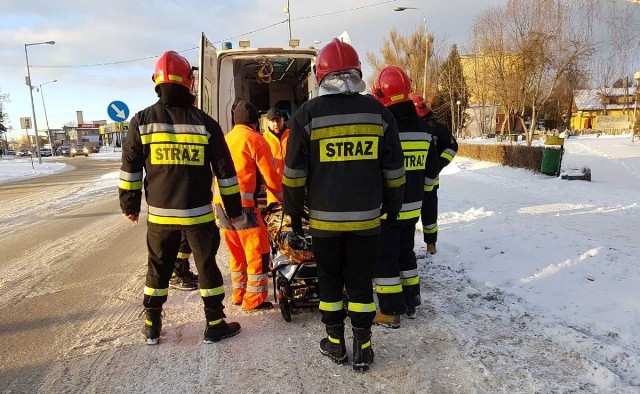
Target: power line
{"x":155,"y":56}
{"x":214,"y":42}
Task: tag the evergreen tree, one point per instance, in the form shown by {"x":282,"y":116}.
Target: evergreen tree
{"x":452,"y":88}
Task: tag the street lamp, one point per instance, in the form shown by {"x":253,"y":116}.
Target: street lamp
{"x":458,"y":122}
{"x":33,"y":109}
{"x":426,"y":47}
{"x":45,"y":116}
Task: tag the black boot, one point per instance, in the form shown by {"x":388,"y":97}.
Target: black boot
{"x":333,"y":346}
{"x":152,"y":325}
{"x":362,"y":350}
{"x":183,"y":278}
{"x":220,"y":330}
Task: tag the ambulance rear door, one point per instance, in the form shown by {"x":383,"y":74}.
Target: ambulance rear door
{"x":208,"y":78}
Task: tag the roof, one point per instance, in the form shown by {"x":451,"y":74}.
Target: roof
{"x":589,"y":99}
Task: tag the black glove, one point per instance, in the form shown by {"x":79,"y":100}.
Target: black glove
{"x":296,"y":225}
{"x":392,"y":218}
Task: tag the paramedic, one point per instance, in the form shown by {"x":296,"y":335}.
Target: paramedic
{"x":178,"y":146}
{"x":247,"y":239}
{"x":345,"y":161}
{"x":277,"y":135}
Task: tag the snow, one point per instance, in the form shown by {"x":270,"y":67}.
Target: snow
{"x":534,"y":289}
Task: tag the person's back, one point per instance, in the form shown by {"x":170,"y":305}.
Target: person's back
{"x":343,"y":158}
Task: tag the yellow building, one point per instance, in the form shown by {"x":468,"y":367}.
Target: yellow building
{"x":608,"y":110}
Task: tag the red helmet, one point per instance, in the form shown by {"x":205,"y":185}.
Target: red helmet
{"x":336,"y":56}
{"x":173,"y":68}
{"x":421,"y":106}
{"x":392,"y":86}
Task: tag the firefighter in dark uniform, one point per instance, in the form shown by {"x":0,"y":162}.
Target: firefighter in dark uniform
{"x":183,"y":278}
{"x":396,"y":274}
{"x":447,"y":148}
{"x":180,"y":148}
{"x":344,"y":157}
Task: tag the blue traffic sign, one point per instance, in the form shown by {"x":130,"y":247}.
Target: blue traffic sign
{"x":118,"y":111}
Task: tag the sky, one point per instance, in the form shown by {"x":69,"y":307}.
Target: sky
{"x":90,"y":33}
{"x":534,"y":289}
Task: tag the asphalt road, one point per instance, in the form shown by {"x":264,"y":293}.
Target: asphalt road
{"x":67,"y":254}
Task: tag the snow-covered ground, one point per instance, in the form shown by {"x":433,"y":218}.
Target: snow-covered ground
{"x":534,"y":289}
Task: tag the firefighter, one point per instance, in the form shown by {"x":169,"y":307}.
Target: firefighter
{"x":247,"y":239}
{"x":183,"y":278}
{"x":277,"y":135}
{"x":447,"y":147}
{"x":344,"y":158}
{"x":178,"y":146}
{"x":396,"y":274}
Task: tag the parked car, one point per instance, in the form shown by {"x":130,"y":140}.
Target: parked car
{"x":79,"y":151}
{"x":64,"y":150}
{"x":24,"y":152}
{"x":11,"y":152}
{"x":46,"y":152}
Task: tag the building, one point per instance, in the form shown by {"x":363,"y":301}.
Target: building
{"x":608,"y":110}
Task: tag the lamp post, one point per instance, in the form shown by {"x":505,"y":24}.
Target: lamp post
{"x":426,"y":47}
{"x":458,"y":122}
{"x":45,"y":116}
{"x":635,"y":131}
{"x":33,"y":109}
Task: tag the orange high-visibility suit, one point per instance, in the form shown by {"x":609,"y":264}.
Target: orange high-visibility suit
{"x":247,"y":238}
{"x":278,"y":146}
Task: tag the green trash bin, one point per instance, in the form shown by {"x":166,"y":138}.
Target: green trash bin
{"x":551,"y":159}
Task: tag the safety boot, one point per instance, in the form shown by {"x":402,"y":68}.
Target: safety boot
{"x":388,"y":321}
{"x":218,"y":330}
{"x":411,"y":312}
{"x":152,"y":325}
{"x":431,"y":248}
{"x":362,"y":350}
{"x":333,"y":345}
{"x":183,"y":278}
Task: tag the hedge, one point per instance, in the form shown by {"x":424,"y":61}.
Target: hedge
{"x":519,"y":156}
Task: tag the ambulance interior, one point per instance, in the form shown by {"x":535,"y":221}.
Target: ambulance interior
{"x":282,"y":80}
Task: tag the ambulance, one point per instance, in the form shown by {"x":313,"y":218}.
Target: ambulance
{"x":267,"y":77}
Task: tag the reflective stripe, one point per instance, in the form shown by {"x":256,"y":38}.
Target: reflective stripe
{"x":409,"y":214}
{"x":246,"y":196}
{"x":448,"y":154}
{"x":415,"y":136}
{"x":181,"y":213}
{"x":331,"y":306}
{"x":395,"y":182}
{"x":159,"y":137}
{"x":214,"y":322}
{"x":130,"y":176}
{"x":410,"y":206}
{"x":333,"y":120}
{"x":150,"y":291}
{"x":392,"y":174}
{"x":209,"y":217}
{"x":238,"y":274}
{"x":436,"y":182}
{"x":415,"y":145}
{"x":293,"y":182}
{"x":333,"y":340}
{"x":387,"y":281}
{"x":173,"y":128}
{"x":429,"y":181}
{"x":410,"y":281}
{"x":239,"y":285}
{"x":258,"y":289}
{"x":225,"y":191}
{"x":125,"y":185}
{"x":409,"y":273}
{"x":212,"y":292}
{"x":358,"y":307}
{"x":148,"y":323}
{"x":345,"y":130}
{"x":382,"y":289}
{"x":291,"y":173}
{"x":344,"y":226}
{"x":226,"y":182}
{"x":365,"y":345}
{"x":430,"y":229}
{"x":259,"y":277}
{"x":344,"y":216}
{"x":182,"y":255}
